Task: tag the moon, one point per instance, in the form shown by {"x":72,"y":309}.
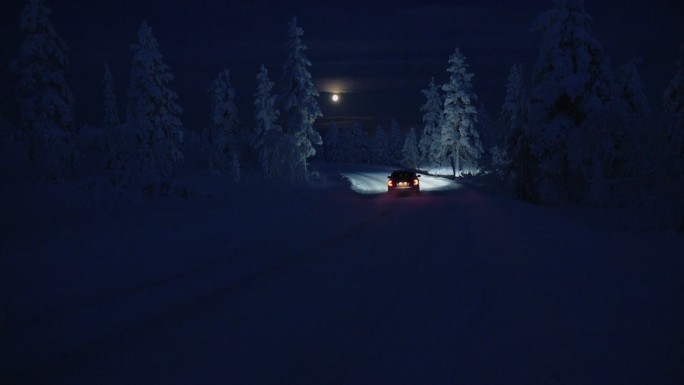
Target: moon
{"x":335,"y":98}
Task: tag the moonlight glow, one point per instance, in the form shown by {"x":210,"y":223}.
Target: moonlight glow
{"x":335,"y":98}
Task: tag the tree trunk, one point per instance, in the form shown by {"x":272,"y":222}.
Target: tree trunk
{"x":458,"y":160}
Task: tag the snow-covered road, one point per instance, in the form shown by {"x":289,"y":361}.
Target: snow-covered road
{"x":334,"y":287}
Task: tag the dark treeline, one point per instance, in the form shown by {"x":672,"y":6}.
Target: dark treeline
{"x":572,"y":128}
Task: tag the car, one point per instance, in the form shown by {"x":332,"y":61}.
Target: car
{"x":403,"y":181}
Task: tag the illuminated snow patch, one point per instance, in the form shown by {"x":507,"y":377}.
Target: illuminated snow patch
{"x":433,"y":183}
{"x":446,"y":170}
{"x":367,"y":182}
{"x":373,"y":182}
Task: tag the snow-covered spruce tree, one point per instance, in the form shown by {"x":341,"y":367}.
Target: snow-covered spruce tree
{"x":45,"y":100}
{"x":380,"y":148}
{"x":110,"y":118}
{"x":516,"y":162}
{"x":572,"y":132}
{"x":154,"y":132}
{"x":430,"y":140}
{"x":220,"y":137}
{"x":332,"y":144}
{"x":411,"y":156}
{"x":396,"y":142}
{"x":300,"y":105}
{"x":630,"y":89}
{"x":634,"y":138}
{"x":267,"y":132}
{"x":460,"y":141}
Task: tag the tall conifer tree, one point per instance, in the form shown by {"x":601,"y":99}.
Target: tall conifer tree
{"x":430,"y":140}
{"x":154,"y":128}
{"x":267,"y":133}
{"x":300,"y":104}
{"x":45,"y":100}
{"x":570,"y":105}
{"x":460,"y":139}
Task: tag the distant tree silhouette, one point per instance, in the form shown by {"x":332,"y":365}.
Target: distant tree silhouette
{"x":332,"y":144}
{"x":220,"y":136}
{"x":430,"y":139}
{"x":517,"y":163}
{"x":396,"y":142}
{"x":111,"y":114}
{"x":411,"y":156}
{"x":380,"y":147}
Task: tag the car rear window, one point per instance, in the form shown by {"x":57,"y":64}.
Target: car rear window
{"x":403,"y":175}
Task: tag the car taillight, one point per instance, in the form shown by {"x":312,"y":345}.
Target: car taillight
{"x":415,"y":182}
{"x":389,"y":183}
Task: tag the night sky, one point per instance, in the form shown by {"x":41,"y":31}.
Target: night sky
{"x":377,"y":54}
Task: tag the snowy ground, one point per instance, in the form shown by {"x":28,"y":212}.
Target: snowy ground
{"x":323,"y":285}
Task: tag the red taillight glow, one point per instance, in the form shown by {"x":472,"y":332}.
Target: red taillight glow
{"x":415,"y":182}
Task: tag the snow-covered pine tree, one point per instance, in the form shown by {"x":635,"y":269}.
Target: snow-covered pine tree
{"x":630,"y":89}
{"x":153,"y":124}
{"x":571,"y":91}
{"x":45,"y":100}
{"x":430,"y":140}
{"x":300,"y":105}
{"x":220,"y":137}
{"x":111,"y":114}
{"x":396,"y":142}
{"x":267,"y":133}
{"x":460,"y":140}
{"x":411,"y":156}
{"x":380,"y":147}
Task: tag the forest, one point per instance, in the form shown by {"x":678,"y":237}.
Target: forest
{"x":573,"y":129}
